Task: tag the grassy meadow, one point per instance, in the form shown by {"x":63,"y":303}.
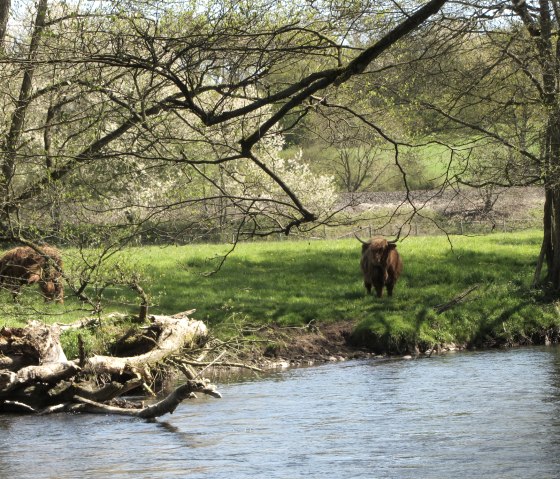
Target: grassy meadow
{"x":425,"y":165}
{"x":292,"y":283}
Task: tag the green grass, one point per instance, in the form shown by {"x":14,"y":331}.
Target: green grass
{"x":424,"y":165}
{"x":293,"y":283}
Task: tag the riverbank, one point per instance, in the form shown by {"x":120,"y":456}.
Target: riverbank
{"x":460,"y":290}
{"x":294,"y":347}
{"x":472,"y":291}
{"x":307,"y":346}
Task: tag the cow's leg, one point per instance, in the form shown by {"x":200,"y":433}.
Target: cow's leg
{"x":390,"y":287}
{"x":15,"y":290}
{"x":48,"y":289}
{"x":368,"y":287}
{"x":379,"y":290}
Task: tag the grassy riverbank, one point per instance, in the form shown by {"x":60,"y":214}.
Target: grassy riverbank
{"x":297,"y":283}
{"x":294,"y":283}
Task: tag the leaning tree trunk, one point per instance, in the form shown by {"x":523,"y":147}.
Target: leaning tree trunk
{"x":550,"y":250}
{"x":36,"y":377}
{"x":553,"y":251}
{"x":4,"y":16}
{"x":11,"y":142}
{"x":545,"y":254}
{"x":540,"y":24}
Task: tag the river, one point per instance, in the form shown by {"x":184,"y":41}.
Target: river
{"x":491,"y":414}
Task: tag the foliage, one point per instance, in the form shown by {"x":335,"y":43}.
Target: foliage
{"x":265,"y":196}
{"x":129,"y":116}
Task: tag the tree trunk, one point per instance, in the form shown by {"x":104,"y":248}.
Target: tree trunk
{"x":11,"y":142}
{"x":554,"y":272}
{"x":550,"y":248}
{"x":4,"y":16}
{"x":174,"y":332}
{"x":37,"y":378}
{"x":551,"y":213}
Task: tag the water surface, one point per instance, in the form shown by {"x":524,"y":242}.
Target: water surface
{"x":491,"y":414}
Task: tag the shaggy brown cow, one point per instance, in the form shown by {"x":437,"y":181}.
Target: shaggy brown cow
{"x":23,"y":265}
{"x":381,"y":265}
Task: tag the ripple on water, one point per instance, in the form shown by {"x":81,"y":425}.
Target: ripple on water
{"x":486,"y":414}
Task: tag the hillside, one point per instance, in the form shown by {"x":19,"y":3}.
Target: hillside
{"x":516,"y":203}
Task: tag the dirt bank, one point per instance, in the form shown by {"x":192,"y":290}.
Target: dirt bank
{"x":292,"y":347}
{"x":311,"y":344}
{"x":288,"y":347}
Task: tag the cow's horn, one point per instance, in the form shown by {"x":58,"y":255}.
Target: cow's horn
{"x":360,"y":240}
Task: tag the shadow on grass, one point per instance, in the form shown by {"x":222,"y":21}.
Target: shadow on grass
{"x":269,"y":287}
{"x":293,"y":284}
{"x":505,"y":241}
{"x":353,"y":295}
{"x":493,"y":333}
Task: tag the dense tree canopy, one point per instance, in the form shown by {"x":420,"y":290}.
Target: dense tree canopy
{"x":124,"y":107}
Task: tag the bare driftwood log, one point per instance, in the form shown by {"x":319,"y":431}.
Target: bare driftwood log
{"x":36,"y":343}
{"x":36,"y":377}
{"x":174,"y":333}
{"x":50,"y":373}
{"x":166,"y":405}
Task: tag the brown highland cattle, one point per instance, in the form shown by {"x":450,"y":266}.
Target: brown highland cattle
{"x":24,"y":266}
{"x":381,"y":265}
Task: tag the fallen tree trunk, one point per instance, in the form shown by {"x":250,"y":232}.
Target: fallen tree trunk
{"x":37,"y":343}
{"x":175,"y":332}
{"x":166,"y":405}
{"x":36,"y":377}
{"x":50,"y":373}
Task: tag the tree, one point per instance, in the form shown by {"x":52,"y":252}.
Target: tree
{"x":501,"y":87}
{"x":542,"y":24}
{"x":157,"y":84}
{"x":120,"y":114}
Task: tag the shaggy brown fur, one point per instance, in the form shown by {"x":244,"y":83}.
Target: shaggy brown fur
{"x":381,"y":265}
{"x":23,"y":266}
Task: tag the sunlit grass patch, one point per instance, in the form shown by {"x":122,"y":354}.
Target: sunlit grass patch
{"x":293,"y":283}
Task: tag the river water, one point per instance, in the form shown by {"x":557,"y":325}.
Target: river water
{"x":492,"y":414}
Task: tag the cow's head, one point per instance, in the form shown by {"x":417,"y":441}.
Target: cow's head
{"x":377,"y":250}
